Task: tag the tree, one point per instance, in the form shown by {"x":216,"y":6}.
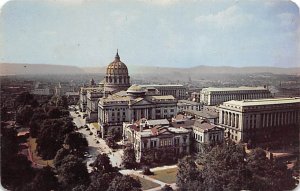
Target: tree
{"x":121,"y":183}
{"x":266,"y":174}
{"x":24,"y":114}
{"x":129,"y":160}
{"x":188,"y":173}
{"x":64,"y":103}
{"x":26,"y":98}
{"x":76,"y":141}
{"x":224,"y":168}
{"x":4,"y":114}
{"x":54,"y":113}
{"x":227,"y":167}
{"x":51,"y":136}
{"x":34,"y":129}
{"x":102,"y":164}
{"x":101,"y":181}
{"x":44,"y":180}
{"x":111,"y":142}
{"x":167,"y":188}
{"x":59,"y":157}
{"x":16,"y":170}
{"x":16,"y":173}
{"x":72,"y":172}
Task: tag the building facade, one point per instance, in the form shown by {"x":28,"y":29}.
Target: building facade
{"x":216,"y":96}
{"x":206,"y":133}
{"x":183,"y":105}
{"x":92,"y":98}
{"x":157,"y":139}
{"x":261,"y":121}
{"x":133,"y":105}
{"x":176,"y":90}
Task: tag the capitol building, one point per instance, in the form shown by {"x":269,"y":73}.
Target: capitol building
{"x":114,"y":100}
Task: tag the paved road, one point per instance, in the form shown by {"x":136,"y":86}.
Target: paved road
{"x":115,"y":156}
{"x":96,"y":144}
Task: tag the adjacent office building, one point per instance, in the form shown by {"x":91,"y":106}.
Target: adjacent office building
{"x":261,"y":121}
{"x":216,"y":96}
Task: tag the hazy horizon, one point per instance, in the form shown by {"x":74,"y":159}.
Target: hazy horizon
{"x":160,"y":33}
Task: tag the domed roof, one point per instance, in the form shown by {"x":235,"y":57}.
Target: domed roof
{"x":135,"y":89}
{"x":117,"y":67}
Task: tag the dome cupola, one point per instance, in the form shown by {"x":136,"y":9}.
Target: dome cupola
{"x":117,"y":75}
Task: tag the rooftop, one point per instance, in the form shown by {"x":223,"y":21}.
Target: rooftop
{"x":203,"y":113}
{"x":258,"y":102}
{"x":214,"y":89}
{"x":160,"y":85}
{"x":157,"y":122}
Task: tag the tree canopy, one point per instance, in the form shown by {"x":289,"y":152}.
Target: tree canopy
{"x":75,"y":141}
{"x":128,"y":159}
{"x":121,"y":183}
{"x":227,"y":167}
{"x":72,"y":172}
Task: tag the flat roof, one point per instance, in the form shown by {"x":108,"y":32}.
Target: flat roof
{"x":257,"y":102}
{"x":214,"y":89}
{"x":160,"y":85}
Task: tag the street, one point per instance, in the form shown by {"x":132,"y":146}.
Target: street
{"x":96,"y":144}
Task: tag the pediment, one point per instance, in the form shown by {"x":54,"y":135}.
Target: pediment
{"x":165,"y":132}
{"x":141,"y":102}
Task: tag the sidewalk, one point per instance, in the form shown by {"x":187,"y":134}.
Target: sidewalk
{"x":139,"y":174}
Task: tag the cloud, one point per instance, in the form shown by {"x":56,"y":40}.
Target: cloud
{"x":230,"y":17}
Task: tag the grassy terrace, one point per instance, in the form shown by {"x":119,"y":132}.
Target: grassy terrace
{"x":167,"y":176}
{"x":37,"y":159}
{"x":146,"y":184}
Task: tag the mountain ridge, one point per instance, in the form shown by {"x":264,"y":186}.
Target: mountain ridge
{"x":24,"y":68}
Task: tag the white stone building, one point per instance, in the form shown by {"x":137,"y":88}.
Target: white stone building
{"x":176,"y":90}
{"x":205,"y":133}
{"x":41,"y":89}
{"x":133,"y":105}
{"x":261,"y":121}
{"x":157,"y":139}
{"x":216,"y":96}
{"x":183,"y":105}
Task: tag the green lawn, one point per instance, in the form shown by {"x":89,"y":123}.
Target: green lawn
{"x":167,"y":176}
{"x":37,"y":159}
{"x":146,"y":184}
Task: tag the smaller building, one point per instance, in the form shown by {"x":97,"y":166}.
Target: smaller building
{"x":195,"y":96}
{"x":210,"y":115}
{"x":157,"y":139}
{"x":64,"y":87}
{"x":206,"y":133}
{"x":41,"y":89}
{"x":183,"y":105}
{"x":92,"y":98}
{"x":176,"y":90}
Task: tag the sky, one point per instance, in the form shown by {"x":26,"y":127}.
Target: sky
{"x":168,"y":33}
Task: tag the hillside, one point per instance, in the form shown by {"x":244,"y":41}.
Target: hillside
{"x":37,"y":69}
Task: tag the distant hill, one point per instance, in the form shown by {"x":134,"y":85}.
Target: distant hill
{"x":134,"y":69}
{"x":36,"y":69}
{"x":94,"y":70}
{"x":17,"y":69}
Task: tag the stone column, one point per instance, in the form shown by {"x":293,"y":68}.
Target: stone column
{"x":222,"y":117}
{"x":236,"y":120}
